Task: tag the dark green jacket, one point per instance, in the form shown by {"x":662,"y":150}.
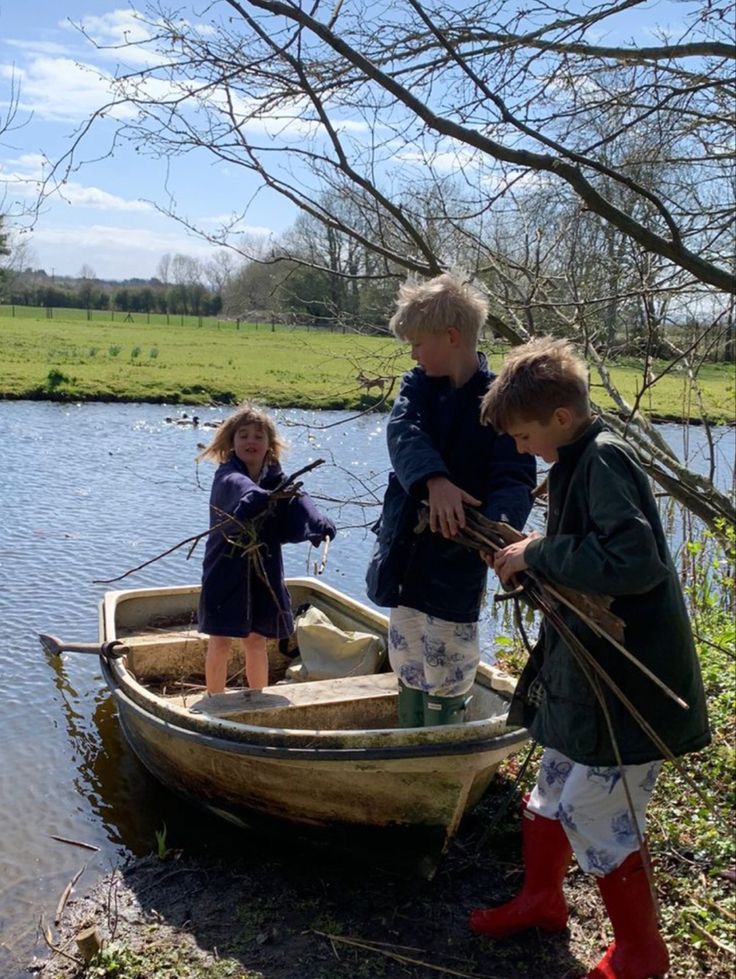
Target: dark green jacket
{"x":604,"y":535}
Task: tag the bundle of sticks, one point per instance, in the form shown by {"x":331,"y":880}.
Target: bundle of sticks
{"x":490,"y":536}
{"x":482,"y":534}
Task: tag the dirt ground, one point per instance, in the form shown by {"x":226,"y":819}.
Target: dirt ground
{"x":296,"y":912}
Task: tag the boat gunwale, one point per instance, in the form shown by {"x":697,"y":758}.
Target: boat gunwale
{"x":408,"y":750}
{"x":470,"y":736}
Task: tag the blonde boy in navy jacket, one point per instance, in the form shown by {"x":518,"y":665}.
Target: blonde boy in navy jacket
{"x":441,"y":454}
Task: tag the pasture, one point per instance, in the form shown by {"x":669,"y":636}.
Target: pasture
{"x":194,"y":361}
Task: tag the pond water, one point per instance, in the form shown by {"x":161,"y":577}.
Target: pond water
{"x":88,"y":492}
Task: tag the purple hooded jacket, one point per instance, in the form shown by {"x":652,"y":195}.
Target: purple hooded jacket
{"x":247,"y":593}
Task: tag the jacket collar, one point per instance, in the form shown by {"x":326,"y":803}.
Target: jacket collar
{"x":478,"y":380}
{"x":270,"y":476}
{"x":568,"y":455}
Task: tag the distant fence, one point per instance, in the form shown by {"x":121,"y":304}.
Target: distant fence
{"x":111,"y":316}
{"x":77,"y":315}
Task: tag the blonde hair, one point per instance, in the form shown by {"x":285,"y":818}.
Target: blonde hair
{"x":221,"y":447}
{"x":435,"y":305}
{"x":537,"y":378}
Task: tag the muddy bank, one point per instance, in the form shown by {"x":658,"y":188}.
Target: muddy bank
{"x":313,"y":915}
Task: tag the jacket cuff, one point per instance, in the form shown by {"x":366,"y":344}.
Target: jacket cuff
{"x":532,"y":553}
{"x":419,"y":488}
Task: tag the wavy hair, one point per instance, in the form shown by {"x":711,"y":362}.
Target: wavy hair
{"x":221,"y":447}
{"x":437,"y":304}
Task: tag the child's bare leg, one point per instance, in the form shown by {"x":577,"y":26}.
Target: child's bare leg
{"x":215,"y":664}
{"x":256,"y":660}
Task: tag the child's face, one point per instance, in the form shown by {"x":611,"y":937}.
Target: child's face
{"x":543,"y":439}
{"x":432,"y":352}
{"x":250,"y":444}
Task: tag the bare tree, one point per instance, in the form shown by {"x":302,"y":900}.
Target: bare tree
{"x":588,"y":185}
{"x":219,"y":270}
{"x":163,"y":269}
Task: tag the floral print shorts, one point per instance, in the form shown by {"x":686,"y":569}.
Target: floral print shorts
{"x":591,"y":803}
{"x":432,"y":654}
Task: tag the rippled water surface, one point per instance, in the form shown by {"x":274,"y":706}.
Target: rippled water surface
{"x":88,"y":492}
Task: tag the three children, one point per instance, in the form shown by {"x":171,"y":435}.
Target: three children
{"x":458,"y":436}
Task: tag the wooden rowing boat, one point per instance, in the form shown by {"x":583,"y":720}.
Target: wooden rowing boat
{"x":323,"y":753}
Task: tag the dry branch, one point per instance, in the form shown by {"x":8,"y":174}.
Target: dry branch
{"x":285,"y":489}
{"x":65,"y":894}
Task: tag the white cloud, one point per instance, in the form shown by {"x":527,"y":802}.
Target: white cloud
{"x":31,"y":45}
{"x":113,"y":252}
{"x":59,"y":89}
{"x":31,"y":164}
{"x":26,"y":178}
{"x":122,"y":35}
{"x":442,"y":161}
{"x":94,"y":197}
{"x":234,"y":223}
{"x":123,"y":26}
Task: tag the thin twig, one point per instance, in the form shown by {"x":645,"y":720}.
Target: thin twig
{"x":375,"y":947}
{"x":48,"y":938}
{"x":715,"y":942}
{"x":63,"y":839}
{"x":65,"y":895}
{"x":195,"y":538}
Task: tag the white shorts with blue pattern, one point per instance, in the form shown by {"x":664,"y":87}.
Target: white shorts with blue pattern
{"x":432,"y":654}
{"x":591,"y":803}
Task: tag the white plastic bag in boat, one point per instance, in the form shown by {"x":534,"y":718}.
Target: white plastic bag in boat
{"x":326,"y":651}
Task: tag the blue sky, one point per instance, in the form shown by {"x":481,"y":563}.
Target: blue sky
{"x":103,"y":220}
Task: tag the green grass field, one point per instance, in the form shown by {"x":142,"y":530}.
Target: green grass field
{"x":70,"y":357}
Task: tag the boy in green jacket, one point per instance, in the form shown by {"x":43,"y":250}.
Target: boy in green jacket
{"x":599,"y":765}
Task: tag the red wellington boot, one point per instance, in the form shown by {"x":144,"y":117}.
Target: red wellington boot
{"x":637,"y":951}
{"x":540,"y":903}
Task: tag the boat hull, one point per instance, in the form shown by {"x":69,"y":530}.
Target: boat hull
{"x":416,"y":779}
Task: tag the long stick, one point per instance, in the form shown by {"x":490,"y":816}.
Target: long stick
{"x":615,"y":643}
{"x":65,"y":895}
{"x":63,"y":839}
{"x":197,"y":537}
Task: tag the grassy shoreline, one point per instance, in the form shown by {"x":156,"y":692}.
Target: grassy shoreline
{"x":72,"y":359}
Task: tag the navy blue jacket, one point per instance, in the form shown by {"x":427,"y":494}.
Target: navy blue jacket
{"x":435,"y":429}
{"x":244,"y":593}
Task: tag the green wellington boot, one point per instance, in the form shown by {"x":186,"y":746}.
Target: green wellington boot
{"x":411,"y":706}
{"x":445,"y":710}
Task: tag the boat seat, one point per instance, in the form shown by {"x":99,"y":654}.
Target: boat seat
{"x":178,"y":651}
{"x":263,"y":706}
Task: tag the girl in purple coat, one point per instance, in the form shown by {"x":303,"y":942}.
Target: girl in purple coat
{"x":244,"y":594}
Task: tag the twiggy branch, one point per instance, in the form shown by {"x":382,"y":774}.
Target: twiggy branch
{"x":483,"y":534}
{"x":195,"y":538}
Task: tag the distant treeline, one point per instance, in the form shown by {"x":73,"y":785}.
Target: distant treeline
{"x":36,"y":289}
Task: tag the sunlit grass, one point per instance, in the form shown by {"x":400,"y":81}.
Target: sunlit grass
{"x":71,"y":357}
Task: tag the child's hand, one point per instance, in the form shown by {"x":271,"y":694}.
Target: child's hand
{"x":510,"y":560}
{"x":446,"y":500}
